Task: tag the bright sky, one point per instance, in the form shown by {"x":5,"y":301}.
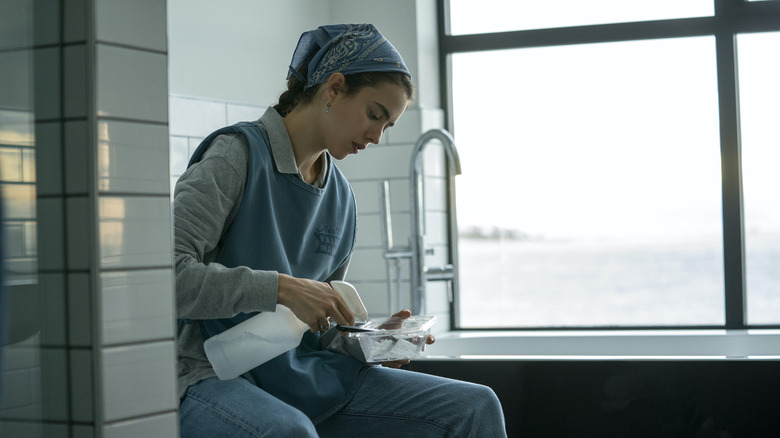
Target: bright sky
{"x":482,"y":16}
{"x":605,"y":140}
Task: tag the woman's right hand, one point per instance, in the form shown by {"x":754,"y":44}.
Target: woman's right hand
{"x":313,"y":302}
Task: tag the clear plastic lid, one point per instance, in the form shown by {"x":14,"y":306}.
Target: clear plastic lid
{"x":395,"y":326}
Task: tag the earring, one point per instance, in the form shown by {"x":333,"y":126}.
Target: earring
{"x":327,"y":108}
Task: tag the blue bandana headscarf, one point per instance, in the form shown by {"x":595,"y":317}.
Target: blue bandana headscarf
{"x":345,"y":48}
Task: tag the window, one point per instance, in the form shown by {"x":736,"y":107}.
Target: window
{"x":470,"y":17}
{"x":592,"y":192}
{"x":759,"y":95}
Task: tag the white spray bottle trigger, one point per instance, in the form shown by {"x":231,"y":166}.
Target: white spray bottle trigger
{"x":350,"y":296}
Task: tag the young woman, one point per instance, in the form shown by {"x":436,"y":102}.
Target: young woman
{"x":262,"y":217}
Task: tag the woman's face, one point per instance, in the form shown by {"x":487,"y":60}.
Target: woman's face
{"x":355,"y":120}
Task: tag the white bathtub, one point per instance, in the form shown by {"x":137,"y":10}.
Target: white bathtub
{"x":585,"y":345}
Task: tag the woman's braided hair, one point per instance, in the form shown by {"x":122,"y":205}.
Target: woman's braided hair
{"x":295,"y":94}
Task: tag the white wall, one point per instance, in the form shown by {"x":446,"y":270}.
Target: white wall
{"x":239,"y":50}
{"x":411,"y":26}
{"x":235,"y":50}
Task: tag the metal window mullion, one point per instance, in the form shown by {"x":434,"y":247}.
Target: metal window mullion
{"x":445,"y":84}
{"x":600,"y":33}
{"x":731,"y":167}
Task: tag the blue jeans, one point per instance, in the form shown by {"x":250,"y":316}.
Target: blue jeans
{"x":389,"y":403}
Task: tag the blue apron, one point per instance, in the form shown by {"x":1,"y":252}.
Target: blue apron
{"x":288,"y":226}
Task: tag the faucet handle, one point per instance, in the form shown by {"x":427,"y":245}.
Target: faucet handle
{"x":439,"y":273}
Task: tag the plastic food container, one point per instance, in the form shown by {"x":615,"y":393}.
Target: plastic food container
{"x":393,"y":338}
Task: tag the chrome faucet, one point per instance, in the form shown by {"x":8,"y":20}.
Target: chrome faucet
{"x":420,"y":274}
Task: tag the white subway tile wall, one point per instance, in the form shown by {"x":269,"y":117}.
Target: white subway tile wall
{"x":139,"y":380}
{"x":369,"y":270}
{"x":48,"y":143}
{"x":51,"y":230}
{"x":153,"y":425}
{"x":21,"y":373}
{"x":193,"y":119}
{"x":48,"y":99}
{"x":51,"y":305}
{"x":75,"y":158}
{"x":131,"y":84}
{"x":74,"y":74}
{"x":134,"y":232}
{"x":80,"y":315}
{"x":116,"y":21}
{"x":132,"y":157}
{"x":179,"y":155}
{"x":86,"y":431}
{"x":35,"y":429}
{"x":82,"y":398}
{"x":78,"y":234}
{"x":136,"y":307}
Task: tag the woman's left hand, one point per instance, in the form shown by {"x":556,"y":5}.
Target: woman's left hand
{"x":403,"y":314}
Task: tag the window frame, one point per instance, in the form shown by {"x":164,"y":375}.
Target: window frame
{"x":731,"y":17}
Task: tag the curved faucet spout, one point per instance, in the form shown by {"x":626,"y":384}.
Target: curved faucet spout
{"x":420,"y":273}
{"x":453,"y":158}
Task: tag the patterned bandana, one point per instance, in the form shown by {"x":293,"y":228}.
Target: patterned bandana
{"x":345,"y":48}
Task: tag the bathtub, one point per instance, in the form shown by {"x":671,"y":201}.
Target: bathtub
{"x":600,"y":345}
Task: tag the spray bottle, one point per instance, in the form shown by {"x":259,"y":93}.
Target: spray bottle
{"x":266,"y":335}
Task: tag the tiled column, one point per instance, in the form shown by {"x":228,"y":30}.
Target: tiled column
{"x":103,"y":302}
{"x":117,"y":203}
